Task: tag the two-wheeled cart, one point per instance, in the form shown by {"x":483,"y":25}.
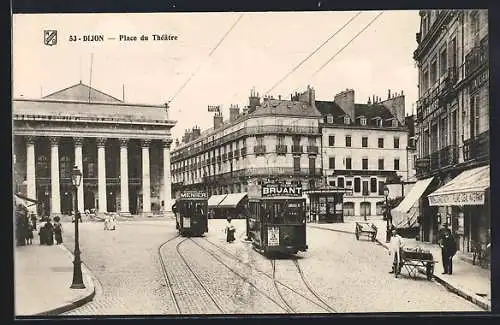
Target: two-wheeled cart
{"x":415,"y":261}
{"x":366,"y":229}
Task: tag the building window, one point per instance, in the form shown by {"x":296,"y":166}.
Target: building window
{"x":442,"y":62}
{"x":280,"y":140}
{"x":329,"y":119}
{"x":348,"y":141}
{"x":381,"y":188}
{"x":380,"y":122}
{"x":363,"y":121}
{"x":394,"y":123}
{"x":331,"y":141}
{"x":364,"y":142}
{"x":296,"y":140}
{"x":433,"y":72}
{"x":42,"y":167}
{"x":443,"y":132}
{"x":312,"y":166}
{"x":65,"y":167}
{"x":331,"y":163}
{"x":396,"y":142}
{"x":357,"y":184}
{"x":373,"y":185}
{"x":312,"y":141}
{"x":340,"y":181}
{"x":396,"y":163}
{"x":380,"y":142}
{"x":331,"y":183}
{"x":348,"y":163}
{"x":260,"y":140}
{"x":425,"y":81}
{"x":474,"y":24}
{"x":347,"y":120}
{"x":296,"y":164}
{"x":365,"y":188}
{"x":364,"y":163}
{"x":348,"y":184}
{"x":381,"y":164}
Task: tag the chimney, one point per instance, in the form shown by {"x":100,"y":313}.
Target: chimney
{"x":396,"y":105}
{"x":388,"y":94}
{"x":369,"y":101}
{"x":308,"y":97}
{"x":234,"y":112}
{"x":177,"y":142}
{"x":196,"y":133}
{"x":345,"y":100}
{"x":373,"y":97}
{"x":254,"y":101}
{"x":218,"y":120}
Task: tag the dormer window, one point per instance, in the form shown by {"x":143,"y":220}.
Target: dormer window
{"x":329,"y":119}
{"x":394,"y":123}
{"x":379,"y":122}
{"x":363,"y":120}
{"x":347,"y":120}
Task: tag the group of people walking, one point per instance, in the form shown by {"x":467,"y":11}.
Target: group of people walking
{"x":50,"y":230}
{"x":26,"y":224}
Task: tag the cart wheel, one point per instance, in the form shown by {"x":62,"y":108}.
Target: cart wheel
{"x":429,"y":271}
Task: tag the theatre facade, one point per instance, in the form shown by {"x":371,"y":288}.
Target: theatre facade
{"x":122,"y":149}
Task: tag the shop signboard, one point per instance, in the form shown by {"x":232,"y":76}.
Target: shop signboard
{"x":464,"y":198}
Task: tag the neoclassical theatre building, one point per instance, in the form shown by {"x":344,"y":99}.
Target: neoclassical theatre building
{"x":122,"y":149}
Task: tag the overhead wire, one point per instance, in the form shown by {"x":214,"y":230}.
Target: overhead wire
{"x":347,"y":44}
{"x":313,"y":52}
{"x":208,"y":56}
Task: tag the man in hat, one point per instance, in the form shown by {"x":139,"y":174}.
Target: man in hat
{"x":395,"y":247}
{"x":448,"y":248}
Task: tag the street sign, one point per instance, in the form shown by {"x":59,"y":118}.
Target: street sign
{"x":193,"y":195}
{"x":270,"y":190}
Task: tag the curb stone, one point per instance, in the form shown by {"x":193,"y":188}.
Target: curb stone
{"x":80,"y":301}
{"x":458,"y":291}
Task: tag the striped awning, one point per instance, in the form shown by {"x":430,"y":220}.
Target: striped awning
{"x":24,"y":201}
{"x":214,"y":200}
{"x":232,"y":200}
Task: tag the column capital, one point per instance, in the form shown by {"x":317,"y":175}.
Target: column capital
{"x":166,"y":143}
{"x":78,"y":141}
{"x":145,"y":142}
{"x":54,"y":141}
{"x":124,"y":142}
{"x":101,"y":142}
{"x":30,"y":139}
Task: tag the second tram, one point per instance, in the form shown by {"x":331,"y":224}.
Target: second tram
{"x":277,"y":220}
{"x":190,"y":211}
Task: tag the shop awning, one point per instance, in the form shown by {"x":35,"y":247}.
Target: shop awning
{"x":214,"y":200}
{"x":468,"y":188}
{"x":416,"y":192}
{"x":232,"y":200}
{"x":26,"y":202}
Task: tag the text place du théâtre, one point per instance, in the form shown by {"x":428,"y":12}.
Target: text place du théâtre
{"x":154,"y":37}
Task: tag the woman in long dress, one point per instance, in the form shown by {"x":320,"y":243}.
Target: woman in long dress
{"x":58,"y":230}
{"x":229,"y":231}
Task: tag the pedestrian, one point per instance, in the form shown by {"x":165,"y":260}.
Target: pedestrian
{"x":229,"y":231}
{"x":29,"y":232}
{"x":58,"y":230}
{"x":395,"y":247}
{"x":49,"y":232}
{"x":33,"y":220}
{"x":448,"y":249}
{"x":42,"y":231}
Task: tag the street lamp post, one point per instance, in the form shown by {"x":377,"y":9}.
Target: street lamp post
{"x":387,"y":218}
{"x":76,"y":178}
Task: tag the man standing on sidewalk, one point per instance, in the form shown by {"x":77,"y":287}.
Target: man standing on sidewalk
{"x":395,"y":249}
{"x":448,"y":249}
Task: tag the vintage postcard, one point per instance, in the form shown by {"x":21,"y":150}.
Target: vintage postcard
{"x":251,"y":163}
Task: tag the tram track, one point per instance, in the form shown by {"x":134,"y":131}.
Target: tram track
{"x":165,"y":275}
{"x":322,"y":303}
{"x":278,"y":291}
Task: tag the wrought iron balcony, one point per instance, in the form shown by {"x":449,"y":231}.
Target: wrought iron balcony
{"x":224,"y":157}
{"x":312,"y":149}
{"x":448,"y":156}
{"x":237,"y":154}
{"x":477,"y":148}
{"x":259,"y":150}
{"x":218,"y":159}
{"x":281,"y":149}
{"x":212,"y":160}
{"x":296,"y":148}
{"x":477,"y":57}
{"x":243,"y":151}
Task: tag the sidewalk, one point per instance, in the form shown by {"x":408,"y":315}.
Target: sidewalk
{"x":42,"y":280}
{"x":468,"y":281}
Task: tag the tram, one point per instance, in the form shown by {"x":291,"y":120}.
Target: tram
{"x":277,"y":219}
{"x":191,"y":213}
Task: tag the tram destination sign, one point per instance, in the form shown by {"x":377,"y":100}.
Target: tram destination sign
{"x":194,"y":195}
{"x":269,"y":190}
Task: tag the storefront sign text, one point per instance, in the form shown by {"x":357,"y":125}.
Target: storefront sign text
{"x":280,"y":190}
{"x":466,"y":198}
{"x":194,"y":195}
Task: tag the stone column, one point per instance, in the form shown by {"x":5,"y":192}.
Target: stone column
{"x":124,"y":177}
{"x":30,"y":170}
{"x":79,"y":163}
{"x":101,"y":175}
{"x":146,"y":183}
{"x":55,"y":205}
{"x":167,"y":179}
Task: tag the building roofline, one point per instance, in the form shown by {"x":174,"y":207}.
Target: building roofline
{"x":80,"y":83}
{"x":85,"y":102}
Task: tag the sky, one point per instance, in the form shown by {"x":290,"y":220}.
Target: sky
{"x":257,"y":52}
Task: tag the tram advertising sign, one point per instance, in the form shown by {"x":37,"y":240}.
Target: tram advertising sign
{"x":273,"y":236}
{"x":194,"y":195}
{"x":270,"y":190}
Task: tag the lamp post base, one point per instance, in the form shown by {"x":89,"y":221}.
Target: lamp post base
{"x":77,"y":286}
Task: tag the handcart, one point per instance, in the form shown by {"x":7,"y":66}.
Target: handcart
{"x":416,"y":260}
{"x":366,"y":229}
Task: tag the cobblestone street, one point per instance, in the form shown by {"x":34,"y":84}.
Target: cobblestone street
{"x":339,"y":274}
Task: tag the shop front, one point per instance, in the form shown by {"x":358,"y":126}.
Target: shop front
{"x":464,"y":204}
{"x":326,"y":204}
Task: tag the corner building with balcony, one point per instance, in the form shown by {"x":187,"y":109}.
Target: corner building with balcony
{"x":122,"y":149}
{"x":272,"y":138}
{"x":452,"y":124}
{"x":364,"y":146}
